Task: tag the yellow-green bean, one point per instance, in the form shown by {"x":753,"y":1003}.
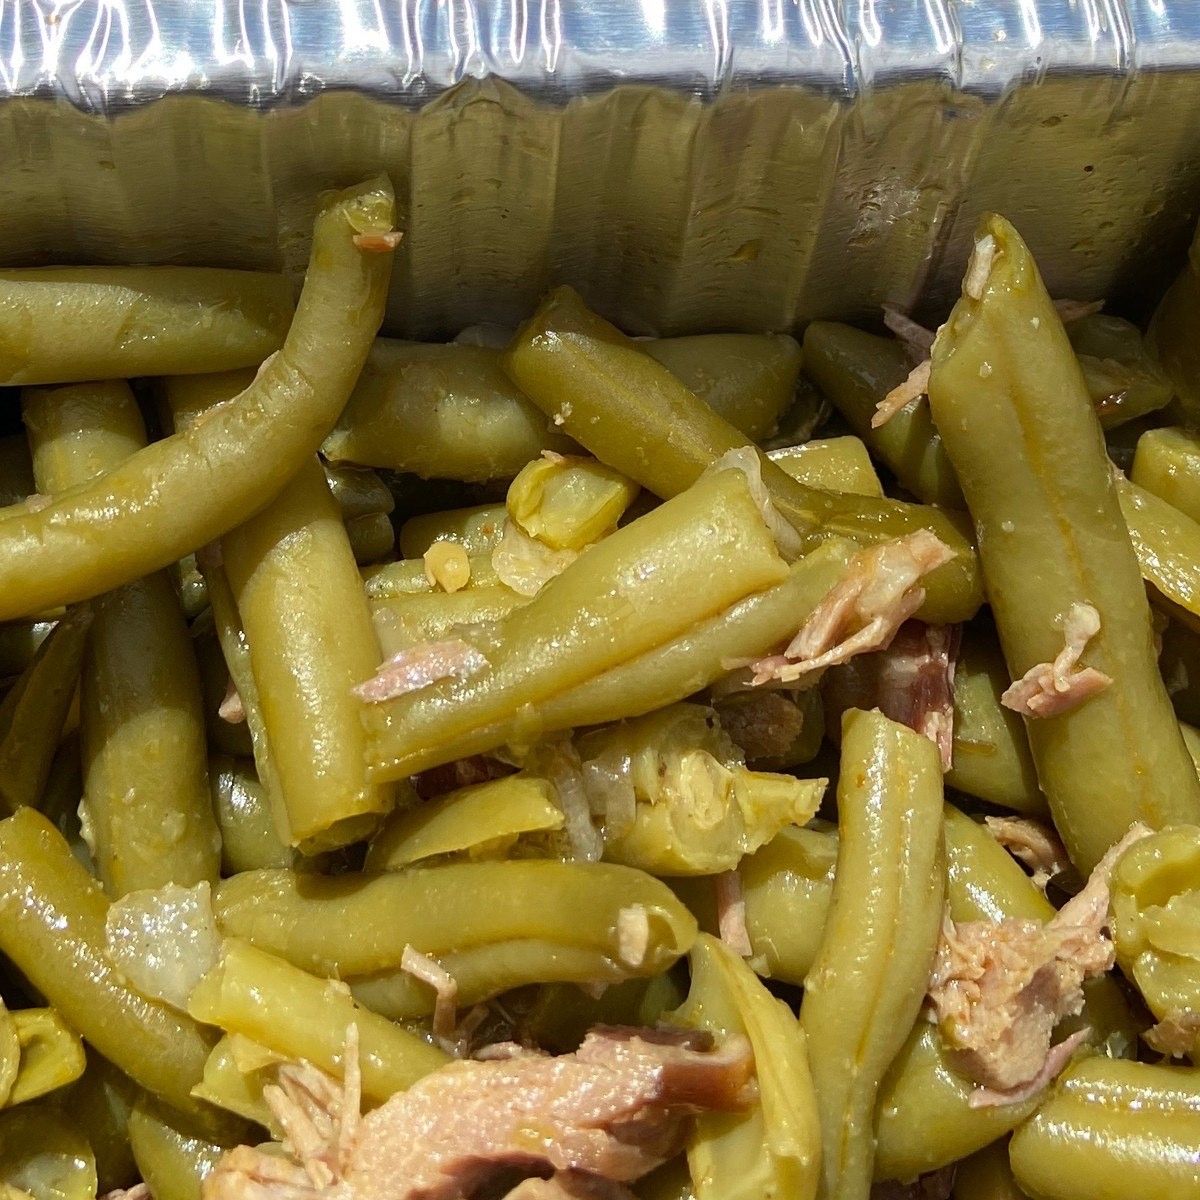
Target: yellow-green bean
{"x":145,"y":764}
{"x":759,"y":722}
{"x":51,"y":1054}
{"x":648,"y":583}
{"x":10,"y":1053}
{"x":249,"y":839}
{"x":68,"y":324}
{"x":1009,"y":400}
{"x":43,"y":1155}
{"x":100,"y":1104}
{"x":477,"y":530}
{"x":840,"y":464}
{"x":354,"y":925}
{"x":300,"y":1015}
{"x":773,"y":1150}
{"x":866,"y":987}
{"x":409,"y":577}
{"x":1112,"y":1130}
{"x":406,"y":620}
{"x":52,"y":927}
{"x":637,"y":417}
{"x":231,"y":1084}
{"x":189,"y":489}
{"x":987,"y":1175}
{"x":1175,"y":336}
{"x":372,"y":537}
{"x":568,"y":502}
{"x":1167,"y":464}
{"x":1123,"y":379}
{"x":173,"y":1157}
{"x":311,"y":640}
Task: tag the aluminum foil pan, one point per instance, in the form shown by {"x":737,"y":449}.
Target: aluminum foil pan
{"x":688,"y":164}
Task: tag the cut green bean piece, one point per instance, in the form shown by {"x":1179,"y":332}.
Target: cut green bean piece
{"x":840,"y":464}
{"x":411,"y":577}
{"x":372,"y":537}
{"x":100,"y":1104}
{"x":34,"y":711}
{"x":249,"y":839}
{"x":355,"y":925}
{"x":773,"y":1150}
{"x":224,"y":737}
{"x":10,"y":1053}
{"x":51,"y":1054}
{"x":868,"y":982}
{"x":568,"y":502}
{"x":302,"y":1016}
{"x":1113,"y":1130}
{"x":987,"y":1175}
{"x":477,"y":530}
{"x":404,"y":621}
{"x":1167,"y":464}
{"x":186,"y":490}
{"x":637,"y":417}
{"x":235,"y":1085}
{"x":44,"y":1156}
{"x":359,"y":492}
{"x":1123,"y":379}
{"x":684,"y":562}
{"x":52,"y":927}
{"x":1009,"y":400}
{"x":172,"y":1159}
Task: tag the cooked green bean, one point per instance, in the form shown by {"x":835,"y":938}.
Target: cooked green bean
{"x":68,"y":324}
{"x":410,"y":577}
{"x":52,"y":916}
{"x":10,"y":1053}
{"x":406,"y":620}
{"x":568,"y":503}
{"x":1175,"y":336}
{"x":100,"y":1104}
{"x":1009,"y":401}
{"x":63,"y":794}
{"x":1167,"y":464}
{"x":1123,"y":379}
{"x":635,"y":416}
{"x":16,"y":470}
{"x":301,"y":1016}
{"x":189,"y":586}
{"x":19,"y":641}
{"x":249,"y":839}
{"x":172,"y":1159}
{"x":51,"y":1054}
{"x":840,"y":464}
{"x":354,"y":925}
{"x":34,"y":712}
{"x":186,"y":490}
{"x":477,"y":530}
{"x":234,"y":1085}
{"x":685,"y":561}
{"x":482,"y":821}
{"x":773,"y":1150}
{"x":868,"y":982}
{"x":987,"y":1175}
{"x":224,"y":737}
{"x":856,"y":370}
{"x":1112,"y":1130}
{"x":43,"y":1155}
{"x":372,"y":537}
{"x":359,"y":492}
{"x":309,"y":646}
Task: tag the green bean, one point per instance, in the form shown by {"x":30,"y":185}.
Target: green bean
{"x":1009,"y":401}
{"x":62,"y":795}
{"x":44,"y":1156}
{"x":1174,"y":337}
{"x":189,"y":489}
{"x":301,"y":1016}
{"x":991,"y":756}
{"x":483,"y":820}
{"x":1123,"y":379}
{"x":249,"y":839}
{"x":34,"y":712}
{"x":867,"y":984}
{"x":568,"y":503}
{"x":1167,"y":464}
{"x":685,"y":561}
{"x":189,"y":586}
{"x":840,"y":464}
{"x":144,"y":758}
{"x":69,"y":324}
{"x":987,"y":1175}
{"x":404,"y":621}
{"x":856,"y":370}
{"x":100,"y":1104}
{"x":52,"y":927}
{"x":359,"y":492}
{"x":1155,"y":897}
{"x":16,"y":470}
{"x":635,"y":416}
{"x":10,"y":1053}
{"x":354,"y":925}
{"x":174,"y":1156}
{"x":772,"y":1151}
{"x":19,"y":641}
{"x":1112,"y":1130}
{"x":309,"y":646}
{"x":409,"y":577}
{"x":51,"y":1054}
{"x":231,"y":1084}
{"x":477,"y":530}
{"x":225,"y":737}
{"x":372,"y":537}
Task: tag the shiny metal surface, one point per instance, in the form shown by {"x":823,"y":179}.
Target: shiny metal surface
{"x":689,"y":164}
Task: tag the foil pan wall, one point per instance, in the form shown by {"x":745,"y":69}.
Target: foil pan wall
{"x":688,"y":164}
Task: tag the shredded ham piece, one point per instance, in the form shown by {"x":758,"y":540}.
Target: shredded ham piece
{"x":429,"y":970}
{"x":419,"y":667}
{"x":980,"y":267}
{"x":1056,"y":1059}
{"x":1033,"y":843}
{"x":139,"y":1191}
{"x":1175,"y":1035}
{"x":999,"y":988}
{"x":862,"y":612}
{"x":1048,"y":689}
{"x":1075,"y":310}
{"x":731,"y":913}
{"x":378,"y":243}
{"x":902,"y":395}
{"x":232,"y":709}
{"x":918,"y":340}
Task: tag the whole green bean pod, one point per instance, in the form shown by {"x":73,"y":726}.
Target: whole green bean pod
{"x":189,"y":489}
{"x":100,"y":1104}
{"x":172,"y":1158}
{"x":145,"y":763}
{"x":1167,"y":464}
{"x":309,"y":646}
{"x":867,"y":984}
{"x":300,"y":1015}
{"x":856,"y":370}
{"x":773,"y":1150}
{"x":52,"y":927}
{"x":1015,"y":418}
{"x":637,"y":417}
{"x":354,"y":925}
{"x":51,"y":1054}
{"x":839,"y":464}
{"x":43,"y":1155}
{"x":477,"y":530}
{"x":1111,"y":1130}
{"x":249,"y":839}
{"x":641,"y":587}
{"x":68,"y":324}
{"x":987,"y":1175}
{"x":34,"y":712}
{"x":16,"y":470}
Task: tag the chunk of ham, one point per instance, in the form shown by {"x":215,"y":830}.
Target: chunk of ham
{"x":862,"y":612}
{"x":999,"y":988}
{"x":1049,"y":689}
{"x":915,"y":385}
{"x":1176,"y":1034}
{"x":420,"y":666}
{"x":616,"y":1108}
{"x":1033,"y":843}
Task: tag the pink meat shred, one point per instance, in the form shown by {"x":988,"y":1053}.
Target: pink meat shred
{"x":378,"y":243}
{"x":419,"y":667}
{"x":1033,"y":843}
{"x":731,"y":913}
{"x":1049,"y":689}
{"x":903,"y":394}
{"x":918,"y":340}
{"x":232,"y":708}
{"x":429,"y":970}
